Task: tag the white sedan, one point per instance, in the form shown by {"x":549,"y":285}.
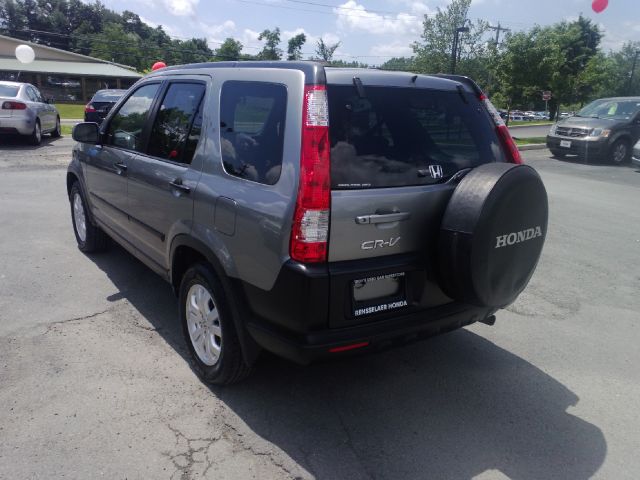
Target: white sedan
{"x":24,"y":111}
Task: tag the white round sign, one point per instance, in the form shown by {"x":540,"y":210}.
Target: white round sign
{"x":25,"y":54}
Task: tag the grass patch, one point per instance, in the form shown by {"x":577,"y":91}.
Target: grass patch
{"x":70,"y":111}
{"x":66,"y":129}
{"x":531,"y":141}
{"x":515,"y":123}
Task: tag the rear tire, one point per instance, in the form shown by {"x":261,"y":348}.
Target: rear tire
{"x":89,"y":237}
{"x":57,"y":132}
{"x":620,"y":152}
{"x":36,"y":136}
{"x":209,"y":327}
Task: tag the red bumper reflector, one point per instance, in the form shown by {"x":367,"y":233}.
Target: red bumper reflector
{"x":344,"y":348}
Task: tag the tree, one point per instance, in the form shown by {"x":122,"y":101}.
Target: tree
{"x":326,"y":51}
{"x":270,"y":51}
{"x":433,"y":52}
{"x":229,"y":50}
{"x":402,"y":64}
{"x":294,"y":48}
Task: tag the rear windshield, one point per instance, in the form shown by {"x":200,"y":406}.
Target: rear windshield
{"x":405,"y":136}
{"x":109,"y":96}
{"x":8,"y":91}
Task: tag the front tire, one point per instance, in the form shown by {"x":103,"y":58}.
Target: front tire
{"x":620,"y":153}
{"x":89,"y":237}
{"x":209,"y":328}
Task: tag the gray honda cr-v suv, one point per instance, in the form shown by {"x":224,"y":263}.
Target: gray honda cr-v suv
{"x":310,"y":211}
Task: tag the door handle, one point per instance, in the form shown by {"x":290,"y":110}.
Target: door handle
{"x":121,"y":167}
{"x":177,"y":184}
{"x":382,"y":218}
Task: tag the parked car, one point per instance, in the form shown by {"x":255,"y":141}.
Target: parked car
{"x":635,"y":156}
{"x":310,"y":211}
{"x":24,"y":111}
{"x":605,"y":129}
{"x":100,"y":104}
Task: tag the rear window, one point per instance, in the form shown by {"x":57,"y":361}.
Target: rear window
{"x":8,"y":91}
{"x":406,"y":136}
{"x":107,"y":96}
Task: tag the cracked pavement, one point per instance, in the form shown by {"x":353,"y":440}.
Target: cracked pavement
{"x":95,"y":381}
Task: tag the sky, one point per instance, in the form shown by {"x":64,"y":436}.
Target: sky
{"x":369,"y":31}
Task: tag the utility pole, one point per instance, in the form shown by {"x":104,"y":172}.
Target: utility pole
{"x":633,"y":71}
{"x":454,"y":50}
{"x":498,"y":29}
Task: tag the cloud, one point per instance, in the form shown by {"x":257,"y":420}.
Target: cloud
{"x":394,"y":49}
{"x":181,"y":8}
{"x":217,"y":33}
{"x":355,"y":17}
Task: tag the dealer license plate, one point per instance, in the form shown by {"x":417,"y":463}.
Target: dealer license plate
{"x":379,"y":294}
{"x":565,"y":143}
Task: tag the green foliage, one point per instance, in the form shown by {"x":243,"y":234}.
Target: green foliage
{"x":325,"y":51}
{"x":270,"y":51}
{"x":402,"y":64}
{"x":433,"y":53}
{"x":294,"y":48}
{"x":229,"y":50}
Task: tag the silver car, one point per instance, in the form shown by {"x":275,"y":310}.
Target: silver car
{"x":24,"y":111}
{"x":635,"y":156}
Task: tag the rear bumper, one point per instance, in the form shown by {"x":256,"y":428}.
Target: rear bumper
{"x":587,"y":149}
{"x":308,"y":312}
{"x":13,"y":125}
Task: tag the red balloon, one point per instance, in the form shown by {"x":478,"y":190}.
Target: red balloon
{"x":158,"y":66}
{"x":599,"y":5}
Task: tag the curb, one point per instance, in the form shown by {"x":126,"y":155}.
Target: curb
{"x":535,"y":146}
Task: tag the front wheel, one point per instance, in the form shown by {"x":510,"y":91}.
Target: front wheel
{"x":88,"y":236}
{"x":620,"y":152}
{"x":209,"y":329}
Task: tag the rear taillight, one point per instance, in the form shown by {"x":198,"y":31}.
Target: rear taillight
{"x":13,"y":106}
{"x":89,"y":108}
{"x":310,"y":230}
{"x":508,"y":145}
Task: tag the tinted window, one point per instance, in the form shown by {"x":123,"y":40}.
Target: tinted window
{"x":108,"y":95}
{"x":405,"y":136}
{"x":125,"y":129}
{"x":252,"y":118}
{"x":173,"y":122}
{"x":32,"y":94}
{"x":38,"y":95}
{"x":8,"y":91}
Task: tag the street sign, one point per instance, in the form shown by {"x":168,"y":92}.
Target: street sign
{"x":546,"y":95}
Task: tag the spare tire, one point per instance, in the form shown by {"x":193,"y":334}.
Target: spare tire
{"x":492,"y":234}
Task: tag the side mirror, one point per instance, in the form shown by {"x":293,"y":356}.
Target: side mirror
{"x":86,"y":132}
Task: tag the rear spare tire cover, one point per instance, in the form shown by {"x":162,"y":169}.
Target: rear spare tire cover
{"x":492,"y":234}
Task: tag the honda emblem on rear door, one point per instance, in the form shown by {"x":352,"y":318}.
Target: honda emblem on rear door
{"x":435,"y":171}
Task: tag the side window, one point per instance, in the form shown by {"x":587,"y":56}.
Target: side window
{"x":37,"y":94}
{"x":125,"y":129}
{"x":172,"y":136}
{"x":31,"y":94}
{"x":252,"y":120}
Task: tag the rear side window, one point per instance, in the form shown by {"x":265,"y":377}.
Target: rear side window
{"x":172,"y":125}
{"x":252,"y":119}
{"x":125,"y":129}
{"x":406,"y":136}
{"x":8,"y":91}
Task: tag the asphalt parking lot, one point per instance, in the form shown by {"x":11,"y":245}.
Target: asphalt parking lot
{"x":94,"y":380}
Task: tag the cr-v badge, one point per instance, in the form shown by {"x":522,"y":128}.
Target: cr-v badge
{"x":371,"y":244}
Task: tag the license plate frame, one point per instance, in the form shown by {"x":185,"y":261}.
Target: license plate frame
{"x":378,"y":304}
{"x":565,"y":143}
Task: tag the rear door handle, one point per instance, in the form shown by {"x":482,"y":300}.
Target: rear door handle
{"x":177,"y":184}
{"x":382,"y":218}
{"x":121,"y":167}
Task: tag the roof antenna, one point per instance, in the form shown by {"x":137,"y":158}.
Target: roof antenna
{"x":358,"y":84}
{"x":414,"y":78}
